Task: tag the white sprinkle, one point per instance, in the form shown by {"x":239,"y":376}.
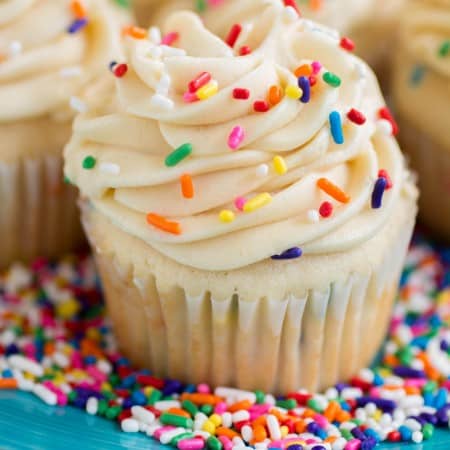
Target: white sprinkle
{"x":290,"y":14}
{"x":109,"y":168}
{"x":411,"y":401}
{"x":262,"y":170}
{"x":339,"y":444}
{"x":92,"y":406}
{"x":241,"y":415}
{"x":417,"y":437}
{"x":68,"y":72}
{"x":273,"y":427}
{"x":152,"y":428}
{"x":227,"y":419}
{"x":234,"y":395}
{"x":314,"y":217}
{"x":26,"y":365}
{"x":203,"y":434}
{"x":366,"y":375}
{"x":331,"y":393}
{"x":370,"y":408}
{"x":391,"y":347}
{"x":61,"y":359}
{"x":14,"y":49}
{"x":105,"y":366}
{"x":351,"y":392}
{"x":247,"y":433}
{"x":155,"y":52}
{"x":143,"y":427}
{"x":142,"y":414}
{"x":169,"y":435}
{"x":164,"y":405}
{"x":413,"y":424}
{"x":130,"y":425}
{"x":270,"y":399}
{"x":6,"y":338}
{"x":160,"y":101}
{"x":347,"y":426}
{"x":384,"y":127}
{"x":154,"y":34}
{"x":46,"y":395}
{"x":78,"y":105}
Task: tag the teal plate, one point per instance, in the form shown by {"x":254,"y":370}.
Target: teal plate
{"x":28,"y":424}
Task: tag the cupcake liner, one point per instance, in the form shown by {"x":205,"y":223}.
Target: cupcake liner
{"x":308,"y":340}
{"x":39,"y":212}
{"x":431,"y":161}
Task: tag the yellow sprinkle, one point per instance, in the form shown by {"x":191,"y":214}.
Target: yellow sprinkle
{"x":257,"y":202}
{"x":377,"y":415}
{"x":293,"y":92}
{"x":148,"y":390}
{"x":209,"y":427}
{"x":67,"y":309}
{"x":226,"y":216}
{"x":216,"y":419}
{"x":208,"y":90}
{"x":106,"y":386}
{"x":284,"y":431}
{"x":279,"y":164}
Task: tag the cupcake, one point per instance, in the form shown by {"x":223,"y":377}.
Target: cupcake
{"x":144,"y":9}
{"x":421,"y":93}
{"x":47,"y":66}
{"x":249,"y":214}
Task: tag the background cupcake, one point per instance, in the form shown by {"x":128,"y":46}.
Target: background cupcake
{"x":48,"y":68}
{"x":421,"y":92}
{"x":249,"y":214}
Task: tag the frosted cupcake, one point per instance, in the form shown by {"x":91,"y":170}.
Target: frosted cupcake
{"x":249,"y":214}
{"x":420,"y":85}
{"x":47,"y":66}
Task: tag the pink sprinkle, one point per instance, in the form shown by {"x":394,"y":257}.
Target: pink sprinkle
{"x":375,"y":392}
{"x":170,"y":38}
{"x":353,"y":444}
{"x":311,"y":441}
{"x":316,"y":67}
{"x":190,"y":97}
{"x":160,"y":431}
{"x":236,"y":137}
{"x":446,"y":384}
{"x":220,"y":408}
{"x":203,"y":388}
{"x":76,"y":361}
{"x":96,"y":373}
{"x":239,"y":202}
{"x":196,"y":443}
{"x":415,"y":382}
{"x":227,"y":444}
{"x":321,"y":420}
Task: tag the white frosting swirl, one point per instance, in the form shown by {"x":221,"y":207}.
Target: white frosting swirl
{"x":136,"y":140}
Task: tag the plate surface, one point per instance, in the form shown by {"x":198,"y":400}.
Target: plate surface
{"x":28,"y":424}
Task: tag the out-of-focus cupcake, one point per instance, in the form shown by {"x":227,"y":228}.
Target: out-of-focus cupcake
{"x":421,"y":92}
{"x":53,"y":56}
{"x":250,"y":215}
{"x":144,"y":9}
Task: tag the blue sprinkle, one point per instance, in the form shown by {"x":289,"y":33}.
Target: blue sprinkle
{"x":428,"y":399}
{"x":417,"y":75}
{"x":441,"y":398}
{"x":111,"y":65}
{"x":7,"y":373}
{"x":370,"y":432}
{"x":138,"y":398}
{"x":378,"y":191}
{"x":77,"y":25}
{"x":291,"y":253}
{"x":336,"y":127}
{"x":405,"y":432}
{"x":303,"y":84}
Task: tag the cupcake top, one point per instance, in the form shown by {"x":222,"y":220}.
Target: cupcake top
{"x":219,"y":15}
{"x":422,"y":76}
{"x":53,"y":52}
{"x":220,"y":161}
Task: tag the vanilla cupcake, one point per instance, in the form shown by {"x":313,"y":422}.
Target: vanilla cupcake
{"x":421,"y":92}
{"x":249,"y":215}
{"x":47,"y":66}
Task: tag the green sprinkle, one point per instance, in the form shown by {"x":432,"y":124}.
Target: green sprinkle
{"x":190,"y":407}
{"x":178,"y":155}
{"x":102,"y":407}
{"x":331,"y":79}
{"x":405,"y":355}
{"x":288,"y":404}
{"x":213,"y":443}
{"x":114,"y":379}
{"x":207,"y":409}
{"x":113,"y":412}
{"x":314,"y":404}
{"x":180,"y":437}
{"x":124,"y":3}
{"x":72,"y":396}
{"x":89,"y":162}
{"x":155,"y":396}
{"x":444,"y":48}
{"x":260,"y":397}
{"x":346,"y":434}
{"x":200,"y":6}
{"x":177,"y":421}
{"x":67,"y":180}
{"x":428,"y":431}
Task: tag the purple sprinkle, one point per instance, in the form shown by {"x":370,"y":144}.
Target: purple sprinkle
{"x":382,"y":403}
{"x":358,"y":434}
{"x":303,"y":84}
{"x":444,"y":345}
{"x":408,"y":372}
{"x":378,"y":191}
{"x":291,"y":253}
{"x":430,"y":418}
{"x":77,"y":25}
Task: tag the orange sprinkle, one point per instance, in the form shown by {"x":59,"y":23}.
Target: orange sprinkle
{"x":243,"y":404}
{"x":163,"y":224}
{"x":332,"y":190}
{"x":49,"y":348}
{"x":412,"y":390}
{"x":78,"y":9}
{"x":261,"y":420}
{"x":300,"y":427}
{"x":227,"y":432}
{"x":332,"y":409}
{"x":179,"y":412}
{"x":259,"y":433}
{"x":201,"y":399}
{"x":316,"y":5}
{"x":308,"y":412}
{"x":187,"y":186}
{"x":305,"y":70}
{"x":275,"y":95}
{"x":280,"y":416}
{"x":8,"y":383}
{"x":343,"y":416}
{"x":135,"y":32}
{"x":390,"y":360}
{"x":330,"y":439}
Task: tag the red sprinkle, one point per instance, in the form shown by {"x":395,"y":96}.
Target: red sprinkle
{"x":382,"y":173}
{"x":199,"y":81}
{"x":245,"y":50}
{"x":292,"y":4}
{"x":233,"y":34}
{"x":170,"y":38}
{"x":347,"y":44}
{"x":394,"y":436}
{"x":261,"y":106}
{"x":241,"y":94}
{"x":120,"y":70}
{"x":385,"y":113}
{"x":356,"y":116}
{"x":125,"y":414}
{"x":312,"y":80}
{"x":326,"y":209}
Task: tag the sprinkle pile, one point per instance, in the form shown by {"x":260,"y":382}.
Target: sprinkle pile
{"x":56,"y":343}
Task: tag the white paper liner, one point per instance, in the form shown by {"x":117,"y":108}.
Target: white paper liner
{"x":431,"y":161}
{"x":277,"y":345}
{"x":39,"y":215}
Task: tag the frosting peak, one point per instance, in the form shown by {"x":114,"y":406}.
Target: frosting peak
{"x":222,"y":160}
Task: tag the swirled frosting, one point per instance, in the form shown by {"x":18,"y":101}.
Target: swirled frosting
{"x":50,"y":52}
{"x":422,"y":75}
{"x":129,"y":145}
